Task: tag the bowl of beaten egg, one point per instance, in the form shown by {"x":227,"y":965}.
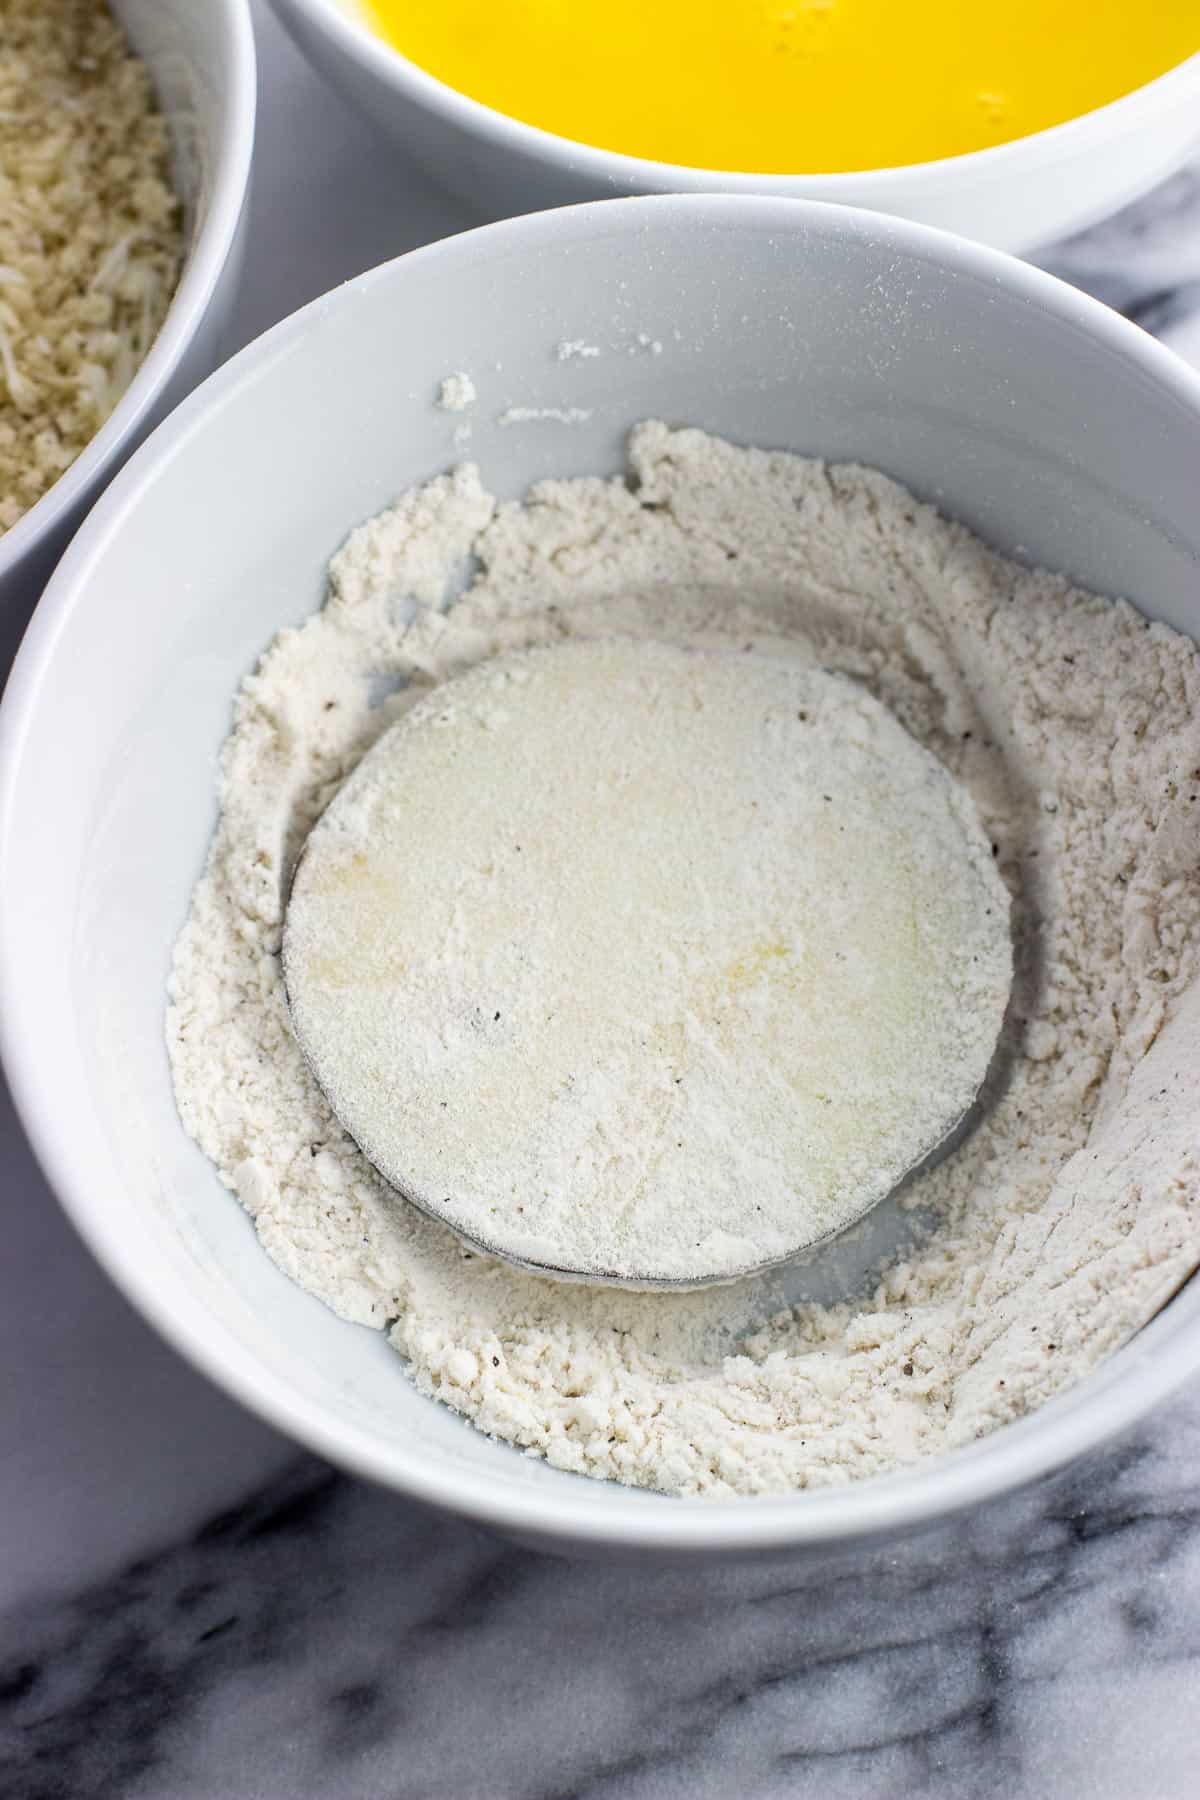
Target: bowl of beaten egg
{"x":121,"y":203}
{"x":1014,"y":123}
{"x":1055,"y":432}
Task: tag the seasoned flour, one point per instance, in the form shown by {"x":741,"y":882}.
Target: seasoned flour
{"x":1061,"y":1224}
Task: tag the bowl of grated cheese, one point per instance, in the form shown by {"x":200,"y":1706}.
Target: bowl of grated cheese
{"x":824,"y":437}
{"x":126,"y":133}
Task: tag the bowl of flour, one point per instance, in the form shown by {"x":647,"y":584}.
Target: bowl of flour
{"x":842,"y":443}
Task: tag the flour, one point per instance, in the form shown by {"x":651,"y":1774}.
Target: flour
{"x":534,"y":415}
{"x":701,"y":953}
{"x":1061,"y":1224}
{"x":456,"y":392}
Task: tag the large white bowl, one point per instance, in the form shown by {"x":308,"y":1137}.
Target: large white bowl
{"x":201,"y":59}
{"x":1028,"y":410}
{"x":1015,"y":196}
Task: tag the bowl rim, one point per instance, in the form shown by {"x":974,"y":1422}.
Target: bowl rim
{"x":869,"y":187}
{"x":1106,"y":1402}
{"x":204,"y":262}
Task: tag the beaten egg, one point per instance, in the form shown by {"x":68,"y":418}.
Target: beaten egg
{"x":778,"y":86}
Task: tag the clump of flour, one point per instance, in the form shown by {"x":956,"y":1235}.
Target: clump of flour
{"x":456,"y":392}
{"x":1057,"y":1228}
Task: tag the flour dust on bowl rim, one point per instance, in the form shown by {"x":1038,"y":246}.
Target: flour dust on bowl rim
{"x":1016,"y":195}
{"x":1048,"y":425}
{"x":202,"y":65}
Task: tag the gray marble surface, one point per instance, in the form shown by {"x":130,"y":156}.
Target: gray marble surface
{"x":191,"y":1608}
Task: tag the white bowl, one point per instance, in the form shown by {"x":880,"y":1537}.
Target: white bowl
{"x":201,"y":59}
{"x":1014,"y":196}
{"x":1028,"y":410}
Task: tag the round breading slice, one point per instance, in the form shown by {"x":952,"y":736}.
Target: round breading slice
{"x":644,"y":963}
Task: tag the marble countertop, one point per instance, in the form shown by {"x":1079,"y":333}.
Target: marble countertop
{"x":192,"y":1609}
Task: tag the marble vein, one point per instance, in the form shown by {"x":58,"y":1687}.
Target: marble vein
{"x":1145,"y":262}
{"x":323,"y":1638}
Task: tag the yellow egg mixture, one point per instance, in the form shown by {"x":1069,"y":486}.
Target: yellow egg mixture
{"x":802,"y":85}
